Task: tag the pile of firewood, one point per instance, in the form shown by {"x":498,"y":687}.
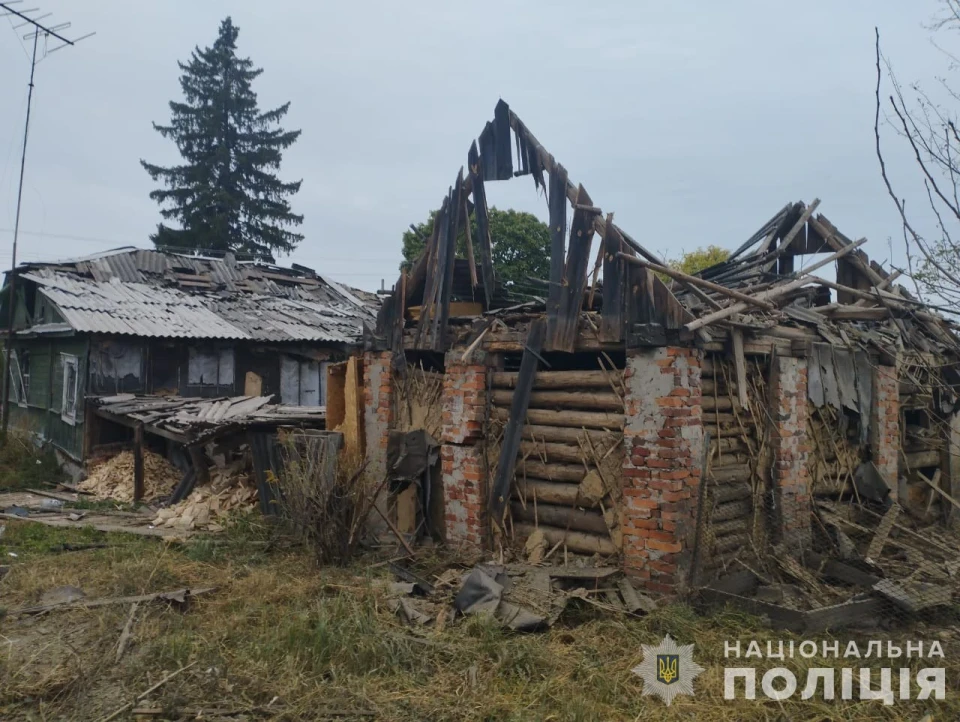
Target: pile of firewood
{"x":230,"y":489}
{"x":113,"y":478}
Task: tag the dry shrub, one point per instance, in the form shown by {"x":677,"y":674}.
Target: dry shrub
{"x":327,"y":500}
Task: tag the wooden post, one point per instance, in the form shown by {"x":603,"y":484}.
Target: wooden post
{"x":740,"y":365}
{"x":199,"y":464}
{"x":138,"y":462}
{"x":510,"y":445}
{"x":951,"y":468}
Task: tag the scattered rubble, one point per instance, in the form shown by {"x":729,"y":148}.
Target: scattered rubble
{"x":208,"y":504}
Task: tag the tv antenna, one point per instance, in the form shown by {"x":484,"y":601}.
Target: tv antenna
{"x":47,"y":31}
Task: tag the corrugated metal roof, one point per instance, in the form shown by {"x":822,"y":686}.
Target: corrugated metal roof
{"x":149,"y":293}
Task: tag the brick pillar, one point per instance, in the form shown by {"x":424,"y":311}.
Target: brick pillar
{"x":885,"y":427}
{"x":661,"y":476}
{"x":791,"y":479}
{"x":461,"y":454}
{"x":377,"y":409}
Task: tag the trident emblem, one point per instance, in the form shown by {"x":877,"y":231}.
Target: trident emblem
{"x":668,"y":668}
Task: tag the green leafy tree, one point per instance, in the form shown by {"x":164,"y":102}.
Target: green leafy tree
{"x":226,"y":195}
{"x":521,"y":244}
{"x":692,"y":262}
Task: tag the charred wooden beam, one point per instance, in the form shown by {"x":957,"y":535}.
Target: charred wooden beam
{"x":611,"y":314}
{"x":483,"y":224}
{"x":558,"y":237}
{"x":562,"y":330}
{"x":510,"y":444}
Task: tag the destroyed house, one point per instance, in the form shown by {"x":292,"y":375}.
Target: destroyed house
{"x":153,"y":323}
{"x":672,"y":424}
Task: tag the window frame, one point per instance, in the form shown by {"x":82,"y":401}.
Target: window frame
{"x":226,"y":362}
{"x":68,"y":414}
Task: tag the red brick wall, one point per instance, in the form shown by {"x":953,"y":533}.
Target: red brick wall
{"x":461,"y":455}
{"x":463,"y":402}
{"x":661,"y":474}
{"x":791,"y":479}
{"x":885,"y":426}
{"x":464,"y":494}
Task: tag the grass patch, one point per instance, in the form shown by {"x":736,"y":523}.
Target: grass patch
{"x":323,"y":640}
{"x":23,"y":465}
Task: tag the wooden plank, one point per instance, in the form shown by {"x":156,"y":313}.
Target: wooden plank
{"x":431,"y":273}
{"x":775,"y":292}
{"x":838,"y":571}
{"x":785,"y":242}
{"x":483,"y":224}
{"x":558,"y":237}
{"x":471,"y":261}
{"x":696,"y":281}
{"x":137,"y":462}
{"x":597,"y":264}
{"x":501,"y":128}
{"x":843,"y":615}
{"x":407,"y":510}
{"x":562,"y":335}
{"x":611,"y":314}
{"x":510,"y":444}
{"x":440,"y":325}
{"x":177,"y":595}
{"x":780,"y":617}
{"x":740,"y":365}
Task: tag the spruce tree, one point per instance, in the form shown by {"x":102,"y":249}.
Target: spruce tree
{"x":226,"y":196}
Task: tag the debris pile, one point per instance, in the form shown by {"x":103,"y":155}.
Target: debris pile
{"x":113,"y":478}
{"x":230,"y":489}
{"x":521,"y":597}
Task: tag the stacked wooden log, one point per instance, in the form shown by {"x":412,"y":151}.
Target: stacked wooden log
{"x":735,"y":433}
{"x":924,"y":434}
{"x":569,"y":469}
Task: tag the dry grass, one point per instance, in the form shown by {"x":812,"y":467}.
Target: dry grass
{"x":322,"y":641}
{"x":23,"y":465}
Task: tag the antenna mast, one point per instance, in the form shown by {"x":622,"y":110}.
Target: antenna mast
{"x":47,"y":31}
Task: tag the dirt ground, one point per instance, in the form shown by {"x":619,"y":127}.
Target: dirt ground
{"x":280,"y":639}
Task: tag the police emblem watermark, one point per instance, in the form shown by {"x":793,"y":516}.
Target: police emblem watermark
{"x":667,"y":669}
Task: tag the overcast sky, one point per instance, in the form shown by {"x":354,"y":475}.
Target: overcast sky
{"x":693,"y":121}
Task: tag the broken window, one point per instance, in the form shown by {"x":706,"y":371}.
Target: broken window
{"x":71,"y":380}
{"x":303,"y":382}
{"x":116,"y":367}
{"x":208,"y":367}
{"x":19,"y":385}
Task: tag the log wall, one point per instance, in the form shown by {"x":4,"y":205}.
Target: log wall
{"x":731,"y":521}
{"x":568,"y":479}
